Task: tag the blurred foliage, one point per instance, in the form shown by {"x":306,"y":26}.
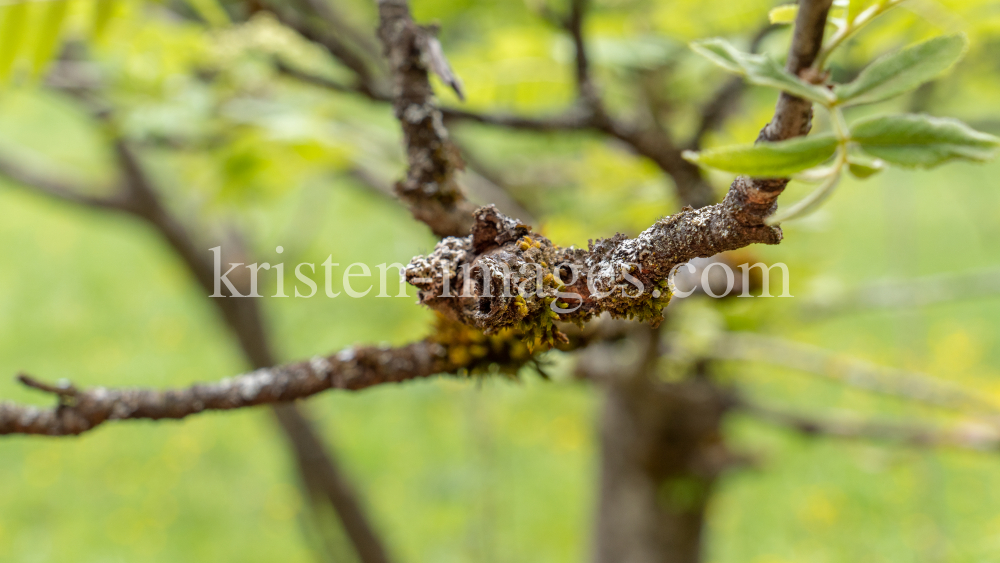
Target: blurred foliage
{"x":473,"y":470}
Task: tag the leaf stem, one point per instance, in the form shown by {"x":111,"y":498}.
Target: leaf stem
{"x":818,"y":196}
{"x":839,"y":123}
{"x":850,"y":27}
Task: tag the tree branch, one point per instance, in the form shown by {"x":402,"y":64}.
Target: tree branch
{"x":793,"y":115}
{"x":488,"y":186}
{"x":137,"y":196}
{"x":452,"y":349}
{"x":651,"y":142}
{"x":367,"y":81}
{"x":907,"y":294}
{"x":585,"y":86}
{"x":571,"y":120}
{"x":500,"y":246}
{"x":430,"y":187}
{"x":322,"y":475}
{"x":351,"y":369}
{"x":903,"y":384}
{"x":323,"y":82}
{"x":967,"y":435}
{"x":328,"y":12}
{"x":59,"y":188}
{"x":656,"y":144}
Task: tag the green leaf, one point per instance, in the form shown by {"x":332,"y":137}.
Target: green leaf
{"x":769,"y":160}
{"x":13,"y":21}
{"x":783,"y":14}
{"x":863,"y":166}
{"x":47,"y":40}
{"x":760,"y":69}
{"x":921,"y":141}
{"x":904,"y":70}
{"x":210,"y":11}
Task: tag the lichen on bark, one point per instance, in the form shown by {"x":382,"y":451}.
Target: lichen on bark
{"x":503,"y":275}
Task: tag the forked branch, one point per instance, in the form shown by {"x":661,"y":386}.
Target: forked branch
{"x":353,"y":368}
{"x":619,"y":275}
{"x":80,"y":410}
{"x":736,"y":222}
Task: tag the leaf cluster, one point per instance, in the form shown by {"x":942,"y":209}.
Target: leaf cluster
{"x":866,"y":146}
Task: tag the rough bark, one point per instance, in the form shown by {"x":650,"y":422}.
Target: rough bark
{"x":500,"y":244}
{"x":352,"y":369}
{"x":662,"y":449}
{"x":661,"y":454}
{"x":590,"y":281}
{"x":408,"y":59}
{"x":317,"y":466}
{"x":430,"y":187}
{"x":138,"y":197}
{"x":660,"y":458}
{"x":880,"y":380}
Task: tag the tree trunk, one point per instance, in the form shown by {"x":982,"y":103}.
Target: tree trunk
{"x":661,"y":454}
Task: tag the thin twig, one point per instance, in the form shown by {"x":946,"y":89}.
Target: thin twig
{"x":331,"y":15}
{"x":138,"y":197}
{"x":352,"y":369}
{"x":488,"y":186}
{"x":966,"y":435}
{"x":654,"y":143}
{"x":913,"y":386}
{"x":367,"y":81}
{"x":906,"y":294}
{"x":63,"y":389}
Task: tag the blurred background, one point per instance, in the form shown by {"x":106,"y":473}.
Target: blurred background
{"x":452,"y":469}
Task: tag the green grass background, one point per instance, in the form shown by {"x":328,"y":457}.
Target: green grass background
{"x":463,"y":470}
